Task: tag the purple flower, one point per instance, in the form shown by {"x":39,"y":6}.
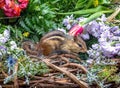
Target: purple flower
{"x":69,"y":21}
{"x":109,"y":50}
{"x":93,"y":28}
{"x":117,"y":33}
{"x":103,"y":18}
{"x":5,"y":36}
{"x":102,"y":40}
{"x":85,"y":36}
{"x":113,"y":29}
{"x":103,"y":27}
{"x":95,"y":46}
{"x":80,"y":19}
{"x":3,"y":39}
{"x":108,"y":37}
{"x":2,"y":48}
{"x":118,"y":44}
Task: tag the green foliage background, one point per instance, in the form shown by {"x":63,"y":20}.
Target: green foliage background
{"x":41,"y":16}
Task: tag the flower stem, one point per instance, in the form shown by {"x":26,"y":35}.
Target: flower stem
{"x":94,"y":16}
{"x":86,"y":11}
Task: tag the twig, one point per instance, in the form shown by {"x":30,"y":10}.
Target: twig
{"x":112,"y":16}
{"x":1,"y":80}
{"x":65,"y":59}
{"x":70,"y":75}
{"x":65,"y":55}
{"x":9,"y":17}
{"x":71,"y":56}
{"x":77,"y":65}
{"x":7,"y":86}
{"x":15,"y":77}
{"x":42,"y":85}
{"x":4,"y":73}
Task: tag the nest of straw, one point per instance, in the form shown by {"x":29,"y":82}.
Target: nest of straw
{"x":62,"y":74}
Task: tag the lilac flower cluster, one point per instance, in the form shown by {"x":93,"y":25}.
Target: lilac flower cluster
{"x":110,"y":43}
{"x":9,"y":50}
{"x":95,"y":52}
{"x":108,"y":36}
{"x":3,"y":39}
{"x":7,"y":45}
{"x":69,"y":21}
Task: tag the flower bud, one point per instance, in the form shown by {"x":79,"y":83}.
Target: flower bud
{"x":76,"y":30}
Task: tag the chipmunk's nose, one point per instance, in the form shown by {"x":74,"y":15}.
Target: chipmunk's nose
{"x":83,"y":50}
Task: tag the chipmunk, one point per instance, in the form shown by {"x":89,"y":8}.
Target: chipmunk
{"x":56,"y":42}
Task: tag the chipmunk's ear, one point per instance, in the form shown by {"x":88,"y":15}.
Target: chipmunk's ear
{"x":76,"y":38}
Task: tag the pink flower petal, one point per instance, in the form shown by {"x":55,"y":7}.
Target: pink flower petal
{"x":76,"y":30}
{"x":9,"y":14}
{"x":23,"y":5}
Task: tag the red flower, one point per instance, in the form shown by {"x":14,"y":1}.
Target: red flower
{"x":12,"y":9}
{"x":9,"y":5}
{"x":2,"y":3}
{"x":75,"y":30}
{"x":23,"y":3}
{"x":8,"y":14}
{"x":16,"y":10}
{"x":13,"y":12}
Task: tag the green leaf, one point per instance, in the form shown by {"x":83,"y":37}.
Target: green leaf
{"x":23,"y":25}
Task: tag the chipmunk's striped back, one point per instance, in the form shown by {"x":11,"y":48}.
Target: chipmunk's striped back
{"x":57,"y":42}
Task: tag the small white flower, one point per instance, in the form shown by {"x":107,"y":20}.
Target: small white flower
{"x":89,"y":61}
{"x":12,"y":42}
{"x":6,"y":33}
{"x":1,"y":35}
{"x":13,"y":47}
{"x":3,"y":39}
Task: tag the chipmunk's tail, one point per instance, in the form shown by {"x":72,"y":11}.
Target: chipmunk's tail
{"x":30,"y":48}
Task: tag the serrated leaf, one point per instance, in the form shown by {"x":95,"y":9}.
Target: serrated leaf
{"x":29,"y":24}
{"x":23,"y":25}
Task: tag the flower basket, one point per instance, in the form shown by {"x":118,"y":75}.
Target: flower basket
{"x":62,"y":74}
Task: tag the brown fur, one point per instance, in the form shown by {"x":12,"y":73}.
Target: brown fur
{"x":55,"y":41}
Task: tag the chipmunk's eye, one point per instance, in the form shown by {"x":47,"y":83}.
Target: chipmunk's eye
{"x":79,"y":45}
